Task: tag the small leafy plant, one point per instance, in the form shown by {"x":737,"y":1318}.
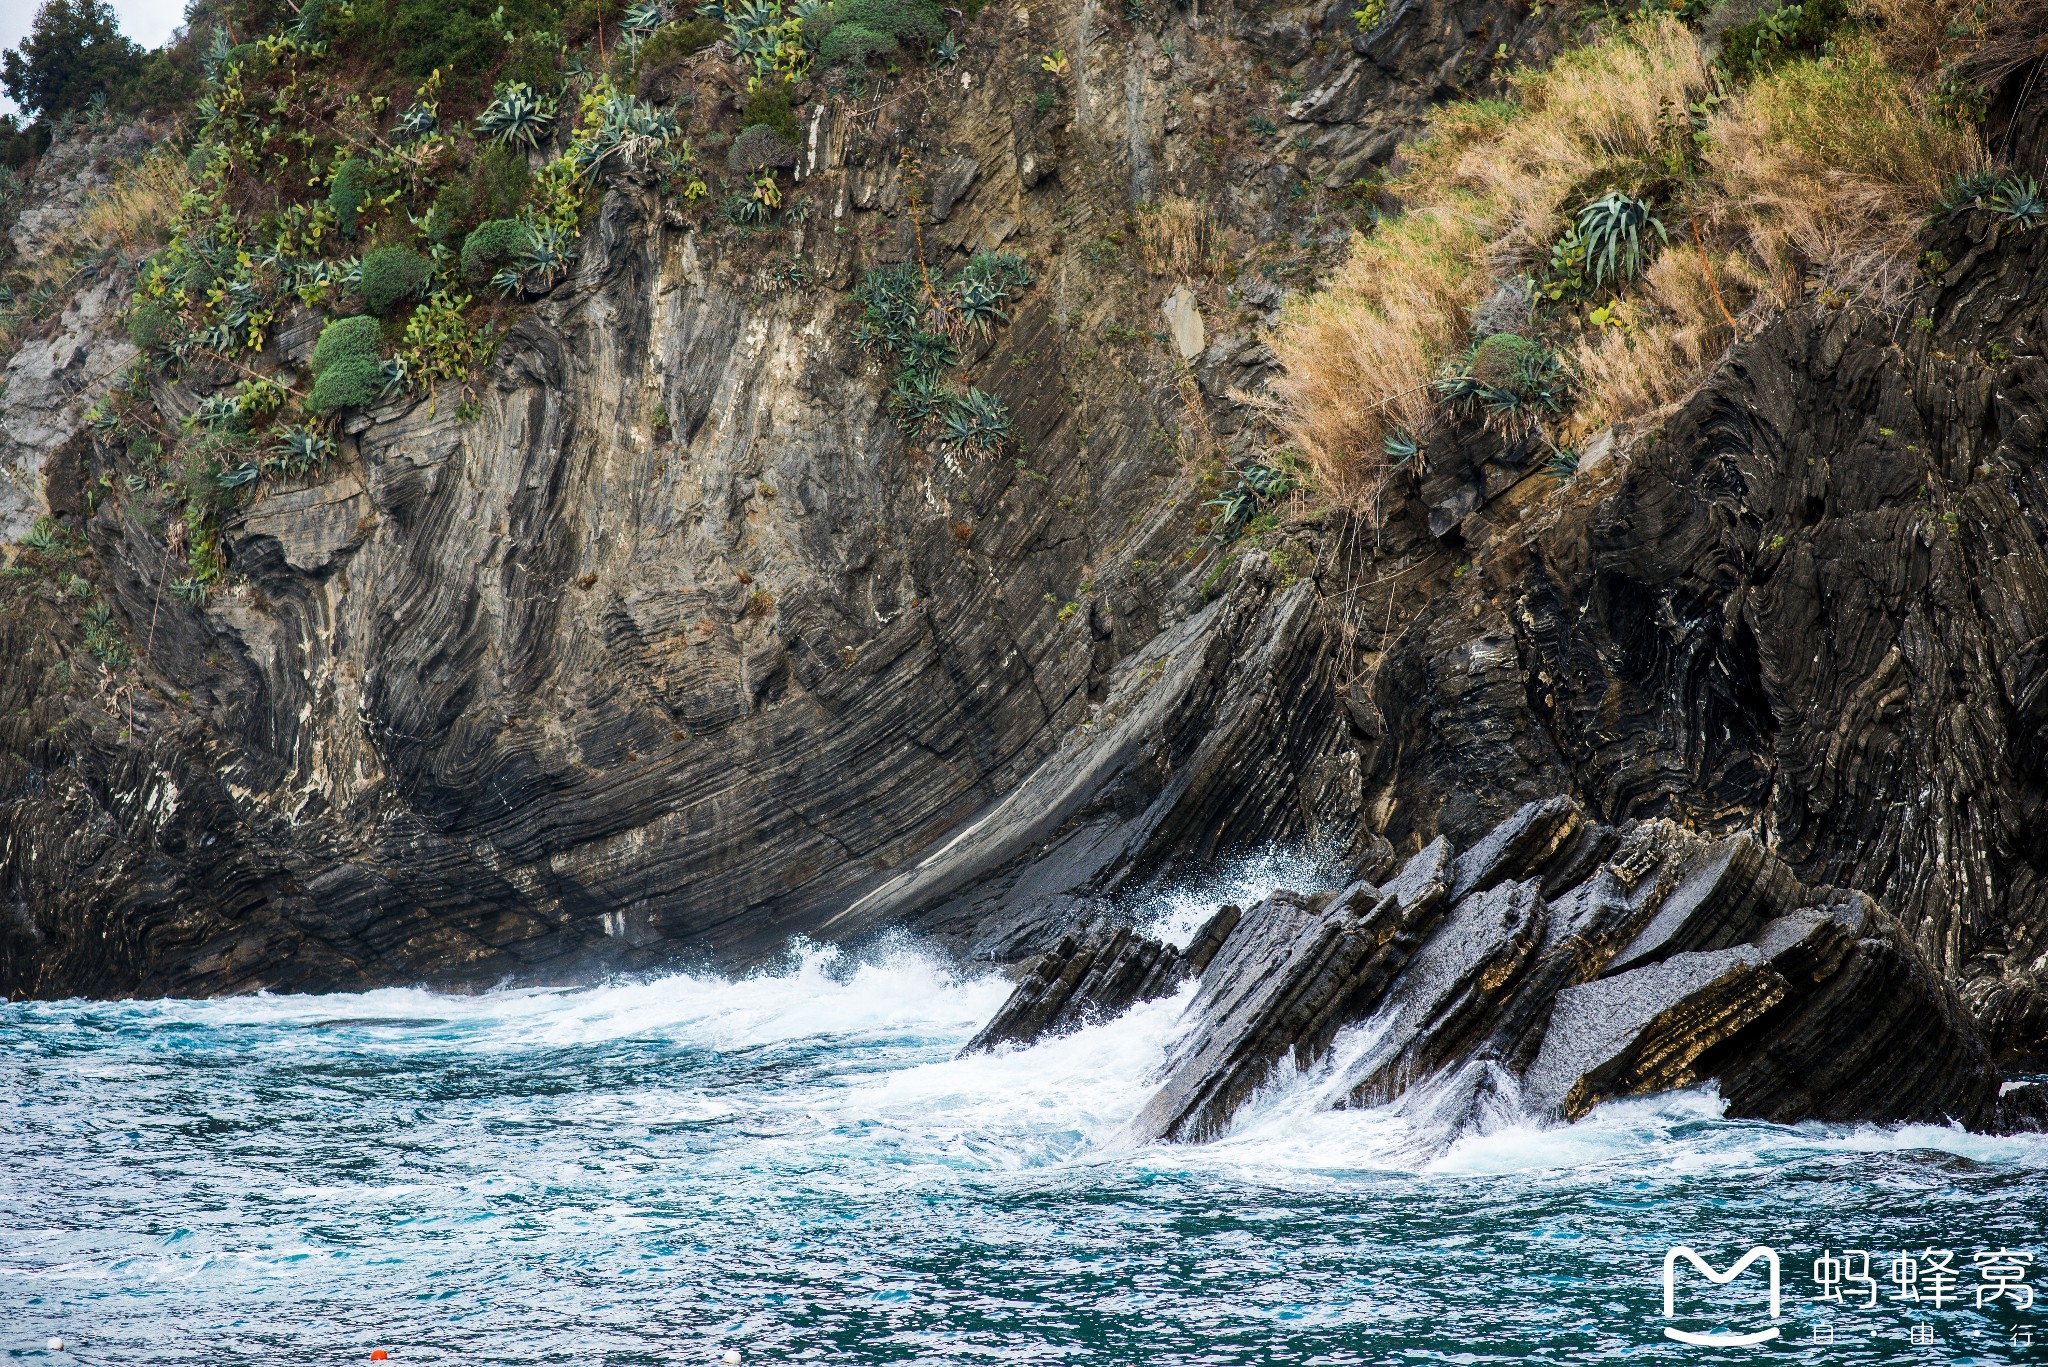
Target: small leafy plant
{"x":1615,"y":231}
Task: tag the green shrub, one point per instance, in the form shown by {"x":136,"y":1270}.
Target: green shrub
{"x":918,"y":22}
{"x":392,"y":276}
{"x":493,"y":244}
{"x":346,"y":370}
{"x":1786,"y":31}
{"x":347,"y":188}
{"x":1498,"y":361}
{"x":1508,"y":375}
{"x":759,"y":147}
{"x":671,"y":44}
{"x":496,"y":187}
{"x":852,"y":45}
{"x":152,"y":328}
{"x":771,"y":106}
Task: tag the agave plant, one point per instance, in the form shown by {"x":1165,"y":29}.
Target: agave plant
{"x":2018,"y":198}
{"x":419,"y":119}
{"x":1967,"y":191}
{"x":303,"y":450}
{"x":977,"y":422}
{"x":645,"y":16}
{"x":918,"y":404}
{"x":1006,"y":271}
{"x":1508,"y":375}
{"x":979,"y":303}
{"x":1615,"y":229}
{"x":238,"y":476}
{"x":948,"y":50}
{"x":396,"y":374}
{"x":217,"y":410}
{"x":1399,"y":447}
{"x":628,"y":128}
{"x":744,"y":210}
{"x":544,"y":257}
{"x":518,"y":115}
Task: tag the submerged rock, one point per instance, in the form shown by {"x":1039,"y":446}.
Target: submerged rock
{"x":1554,"y":965}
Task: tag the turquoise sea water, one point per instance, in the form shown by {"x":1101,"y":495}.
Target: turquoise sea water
{"x":794,"y":1165}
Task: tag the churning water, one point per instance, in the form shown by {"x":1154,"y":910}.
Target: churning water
{"x":794,"y":1164}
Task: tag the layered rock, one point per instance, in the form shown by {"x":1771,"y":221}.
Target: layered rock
{"x":1673,"y":961}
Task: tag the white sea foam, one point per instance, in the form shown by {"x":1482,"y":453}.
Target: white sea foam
{"x":1174,"y":913}
{"x":1063,"y":1100}
{"x":819,"y":991}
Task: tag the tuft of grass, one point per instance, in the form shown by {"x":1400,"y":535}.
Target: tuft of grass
{"x":1175,"y":238}
{"x":1817,"y":175}
{"x":1831,"y":166}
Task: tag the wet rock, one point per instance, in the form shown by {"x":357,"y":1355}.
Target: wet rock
{"x":1866,"y":1032}
{"x":1293,"y":973}
{"x":2021,"y":1110}
{"x":1451,"y":989}
{"x":1727,"y":893}
{"x":1093,"y":975}
{"x":1554,"y":965}
{"x":1644,"y":1030}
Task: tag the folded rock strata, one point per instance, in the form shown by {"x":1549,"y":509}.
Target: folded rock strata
{"x":1559,"y":961}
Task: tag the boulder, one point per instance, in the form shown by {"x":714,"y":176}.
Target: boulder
{"x":1294,"y":973}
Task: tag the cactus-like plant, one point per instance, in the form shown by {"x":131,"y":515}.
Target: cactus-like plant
{"x":518,"y":115}
{"x":1616,"y":229}
{"x":2018,"y":198}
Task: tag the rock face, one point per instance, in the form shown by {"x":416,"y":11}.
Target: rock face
{"x":560,"y":688}
{"x":1517,"y":967}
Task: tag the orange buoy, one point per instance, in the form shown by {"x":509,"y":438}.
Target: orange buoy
{"x":380,"y":1356}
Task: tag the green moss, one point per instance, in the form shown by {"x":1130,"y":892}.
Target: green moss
{"x":771,"y":105}
{"x":347,"y":189}
{"x":394,"y":276}
{"x":492,"y":245}
{"x":346,"y":369}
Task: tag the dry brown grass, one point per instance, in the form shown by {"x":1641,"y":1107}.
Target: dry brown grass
{"x":1488,"y":191}
{"x":1828,"y":169}
{"x":134,"y":213}
{"x":1527,"y":164}
{"x":1818,"y":175}
{"x":1176,"y":238}
{"x":1358,"y":355}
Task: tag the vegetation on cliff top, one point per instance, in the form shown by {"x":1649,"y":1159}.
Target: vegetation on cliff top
{"x":1633,"y":210}
{"x":416,"y":170}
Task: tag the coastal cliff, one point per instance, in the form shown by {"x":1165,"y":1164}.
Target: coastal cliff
{"x":658,"y":639}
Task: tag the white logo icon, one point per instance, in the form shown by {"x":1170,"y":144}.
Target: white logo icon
{"x":1770,"y":1259}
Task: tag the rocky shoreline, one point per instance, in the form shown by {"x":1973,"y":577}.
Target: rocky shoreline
{"x":1554,"y":964}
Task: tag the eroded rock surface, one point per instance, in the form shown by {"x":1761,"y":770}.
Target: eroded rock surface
{"x":1675,"y":961}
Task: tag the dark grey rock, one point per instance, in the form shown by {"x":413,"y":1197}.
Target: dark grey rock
{"x":1644,"y":1030}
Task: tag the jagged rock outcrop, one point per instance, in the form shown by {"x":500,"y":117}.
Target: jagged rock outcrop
{"x":1093,"y":975}
{"x":1516,"y":969}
